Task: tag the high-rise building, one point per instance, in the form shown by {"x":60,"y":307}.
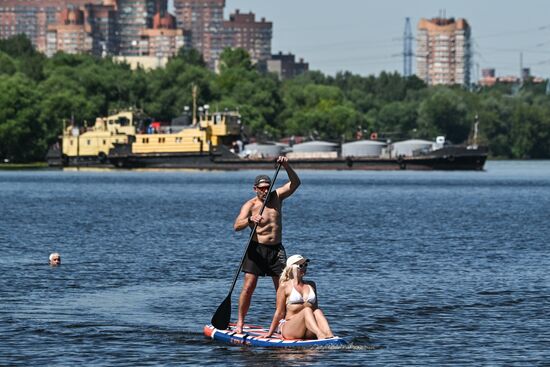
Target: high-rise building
{"x":135,"y":28}
{"x":443,"y":52}
{"x":488,"y":77}
{"x":204,"y":19}
{"x":32,"y":17}
{"x":285,"y":66}
{"x":101,"y":27}
{"x":101,"y":19}
{"x":163,"y":39}
{"x":132,"y":17}
{"x":89,"y":29}
{"x":242,"y":31}
{"x":69,"y":34}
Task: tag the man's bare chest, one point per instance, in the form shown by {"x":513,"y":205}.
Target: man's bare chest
{"x":271,"y":210}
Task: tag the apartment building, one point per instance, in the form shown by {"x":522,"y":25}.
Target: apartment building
{"x":135,"y":28}
{"x":163,"y":39}
{"x":132,"y":17}
{"x":102,"y":21}
{"x":443,"y":53}
{"x":243,"y":31}
{"x":285,"y":65}
{"x":69,"y":34}
{"x":204,"y":20}
{"x":32,"y":18}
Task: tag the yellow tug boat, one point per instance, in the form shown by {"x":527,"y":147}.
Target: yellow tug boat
{"x":92,"y":145}
{"x":181,"y":146}
{"x":117,"y":140}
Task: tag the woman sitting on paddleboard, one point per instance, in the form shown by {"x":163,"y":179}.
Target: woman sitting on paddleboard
{"x":297,"y":315}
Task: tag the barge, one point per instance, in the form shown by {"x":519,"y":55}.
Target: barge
{"x":129,"y":140}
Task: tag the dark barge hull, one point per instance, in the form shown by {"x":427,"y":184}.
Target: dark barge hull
{"x":211,"y":162}
{"x":220,"y":161}
{"x":447,"y":158}
{"x":373,"y":164}
{"x":450,"y":158}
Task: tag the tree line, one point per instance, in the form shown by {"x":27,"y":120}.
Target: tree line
{"x":38,"y":93}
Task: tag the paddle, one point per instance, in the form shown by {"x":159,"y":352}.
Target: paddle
{"x":221,"y":317}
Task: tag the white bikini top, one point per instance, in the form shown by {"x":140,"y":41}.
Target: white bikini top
{"x":296,"y":298}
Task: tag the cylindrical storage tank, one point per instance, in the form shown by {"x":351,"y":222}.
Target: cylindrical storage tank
{"x":363,"y":148}
{"x":407,"y":147}
{"x":314,"y":150}
{"x":315,"y":146}
{"x":263,"y":150}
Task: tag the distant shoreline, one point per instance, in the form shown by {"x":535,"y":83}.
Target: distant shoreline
{"x":21,"y":166}
{"x":44,"y":165}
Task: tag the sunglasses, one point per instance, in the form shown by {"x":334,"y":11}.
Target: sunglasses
{"x":263,"y":188}
{"x":303,"y":265}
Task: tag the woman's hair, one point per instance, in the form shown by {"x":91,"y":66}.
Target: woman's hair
{"x":287,"y":273}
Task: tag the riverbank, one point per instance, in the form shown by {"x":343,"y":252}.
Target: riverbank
{"x":20,"y":166}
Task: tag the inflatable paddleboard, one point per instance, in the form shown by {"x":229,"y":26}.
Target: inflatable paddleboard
{"x":253,"y":335}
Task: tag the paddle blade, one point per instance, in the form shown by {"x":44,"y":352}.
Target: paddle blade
{"x":221,"y":318}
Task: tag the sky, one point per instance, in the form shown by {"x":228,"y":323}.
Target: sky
{"x":366,"y":36}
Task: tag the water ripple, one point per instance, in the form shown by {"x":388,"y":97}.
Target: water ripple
{"x":412,"y":268}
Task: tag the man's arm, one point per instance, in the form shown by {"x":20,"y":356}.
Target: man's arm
{"x":243,"y":219}
{"x":294,"y":181}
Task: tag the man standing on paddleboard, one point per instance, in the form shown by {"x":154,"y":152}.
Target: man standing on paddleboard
{"x":266,"y":255}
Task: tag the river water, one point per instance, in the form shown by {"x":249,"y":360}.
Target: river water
{"x":412,"y":268}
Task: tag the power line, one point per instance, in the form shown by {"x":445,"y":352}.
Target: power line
{"x":513,"y":33}
{"x":365,"y":60}
{"x":355,"y":44}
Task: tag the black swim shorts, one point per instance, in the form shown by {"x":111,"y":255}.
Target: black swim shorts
{"x":264,"y":260}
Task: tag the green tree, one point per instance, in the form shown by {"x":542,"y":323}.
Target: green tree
{"x":191,"y":56}
{"x":319,"y":111}
{"x":30,"y":62}
{"x":237,"y":58}
{"x":170,"y":89}
{"x":21,"y":134}
{"x":540,"y":130}
{"x":444,"y":112}
{"x":256,"y":95}
{"x":61,"y":99}
{"x":7,"y":64}
{"x":397,"y":119}
{"x":495,"y":113}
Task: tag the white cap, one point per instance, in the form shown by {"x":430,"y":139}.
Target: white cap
{"x":296,"y":260}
